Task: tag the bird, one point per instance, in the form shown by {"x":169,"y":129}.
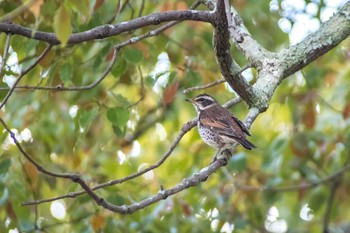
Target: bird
{"x":217,"y":126}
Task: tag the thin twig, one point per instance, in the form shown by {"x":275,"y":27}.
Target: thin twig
{"x":77,"y":88}
{"x":74,"y":177}
{"x":196,"y":88}
{"x":333,"y":188}
{"x":33,"y":191}
{"x":6,"y":53}
{"x":23,"y":73}
{"x":142,"y":7}
{"x":29,"y":158}
{"x":142,"y":91}
{"x":185,"y":128}
{"x":156,"y":31}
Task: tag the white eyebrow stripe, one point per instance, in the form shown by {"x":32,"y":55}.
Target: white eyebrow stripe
{"x":205,"y":97}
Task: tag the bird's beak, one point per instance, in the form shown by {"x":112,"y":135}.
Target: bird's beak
{"x":189,"y":100}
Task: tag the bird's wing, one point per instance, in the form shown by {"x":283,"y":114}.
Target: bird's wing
{"x":224,"y":124}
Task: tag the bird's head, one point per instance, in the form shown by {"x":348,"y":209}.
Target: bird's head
{"x":202,"y":102}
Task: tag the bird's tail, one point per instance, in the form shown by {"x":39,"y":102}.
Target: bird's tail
{"x":247,"y":144}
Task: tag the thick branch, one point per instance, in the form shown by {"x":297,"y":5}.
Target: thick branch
{"x":110,"y":30}
{"x":244,"y":41}
{"x":330,"y":34}
{"x":228,"y":67}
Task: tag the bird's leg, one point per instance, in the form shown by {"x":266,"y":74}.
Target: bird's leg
{"x":221,"y":154}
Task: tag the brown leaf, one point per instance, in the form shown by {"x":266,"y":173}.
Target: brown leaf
{"x":309,"y":115}
{"x":31,"y":172}
{"x":35,"y":8}
{"x":98,"y":222}
{"x":10,"y":211}
{"x":98,"y":3}
{"x":299,"y":145}
{"x":186,"y":208}
{"x":346,"y":111}
{"x":170,"y":92}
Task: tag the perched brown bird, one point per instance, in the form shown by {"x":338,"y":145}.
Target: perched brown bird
{"x":217,"y":126}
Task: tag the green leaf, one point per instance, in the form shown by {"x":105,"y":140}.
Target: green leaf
{"x":82,"y":7}
{"x":193,"y":78}
{"x":3,"y":93}
{"x":133,"y":55}
{"x":116,"y":199}
{"x":66,"y":72}
{"x":118,"y":116}
{"x":86,"y":117}
{"x":118,"y":68}
{"x":4,"y":166}
{"x":62,"y":24}
{"x":121,"y":100}
{"x":118,"y":131}
{"x":318,"y":198}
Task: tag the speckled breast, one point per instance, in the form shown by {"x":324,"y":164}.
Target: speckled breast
{"x":208,"y":136}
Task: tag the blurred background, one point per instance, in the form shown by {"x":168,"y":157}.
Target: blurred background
{"x":129,"y":121}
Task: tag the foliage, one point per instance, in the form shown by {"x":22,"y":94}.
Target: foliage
{"x":129,"y":120}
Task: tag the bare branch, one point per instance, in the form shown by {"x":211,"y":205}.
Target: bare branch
{"x":228,"y":67}
{"x":156,"y":31}
{"x":105,"y":31}
{"x":23,"y":73}
{"x":333,"y":188}
{"x":330,"y":34}
{"x":251,"y":49}
{"x":142,"y":90}
{"x":75,"y":88}
{"x":196,"y":88}
{"x":185,"y":128}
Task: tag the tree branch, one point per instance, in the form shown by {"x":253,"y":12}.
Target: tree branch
{"x":105,"y":31}
{"x":74,"y":88}
{"x":328,"y":36}
{"x":23,"y":73}
{"x":196,"y":88}
{"x":244,"y":41}
{"x":228,"y":67}
{"x":185,"y":128}
{"x":333,"y":188}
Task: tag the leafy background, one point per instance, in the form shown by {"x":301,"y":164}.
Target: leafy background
{"x":129,"y":121}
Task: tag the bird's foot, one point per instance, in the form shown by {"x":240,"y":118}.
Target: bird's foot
{"x":222,"y":155}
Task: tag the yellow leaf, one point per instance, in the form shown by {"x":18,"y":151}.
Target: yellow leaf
{"x":62,"y":25}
